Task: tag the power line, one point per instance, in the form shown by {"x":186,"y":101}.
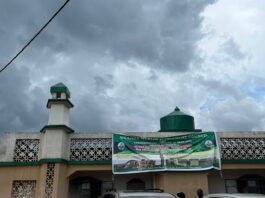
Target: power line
{"x":46,"y":24}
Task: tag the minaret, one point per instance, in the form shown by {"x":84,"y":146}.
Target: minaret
{"x":59,"y":106}
{"x":55,"y":133}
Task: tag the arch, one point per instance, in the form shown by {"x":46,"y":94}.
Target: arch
{"x":135,"y":184}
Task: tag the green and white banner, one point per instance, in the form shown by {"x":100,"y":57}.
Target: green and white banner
{"x":194,"y":151}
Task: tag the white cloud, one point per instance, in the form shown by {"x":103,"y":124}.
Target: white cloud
{"x":232,"y":66}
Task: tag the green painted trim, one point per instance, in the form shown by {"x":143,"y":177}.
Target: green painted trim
{"x":64,"y":127}
{"x":72,"y":162}
{"x":59,"y":101}
{"x":257,"y":161}
{"x":19,"y":163}
{"x":107,"y":162}
{"x":56,"y":160}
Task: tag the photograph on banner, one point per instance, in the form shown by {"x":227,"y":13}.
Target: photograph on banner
{"x":196,"y":151}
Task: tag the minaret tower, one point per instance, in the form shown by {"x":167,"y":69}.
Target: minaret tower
{"x":55,"y":133}
{"x":59,"y":106}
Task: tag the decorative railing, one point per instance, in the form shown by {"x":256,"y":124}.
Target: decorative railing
{"x":100,"y":149}
{"x":90,"y":149}
{"x":242,"y":148}
{"x":26,"y":150}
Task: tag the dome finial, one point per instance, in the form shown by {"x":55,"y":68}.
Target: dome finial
{"x":177,"y":109}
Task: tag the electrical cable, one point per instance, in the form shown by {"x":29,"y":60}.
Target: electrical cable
{"x":46,"y":24}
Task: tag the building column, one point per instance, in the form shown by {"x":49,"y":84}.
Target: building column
{"x":53,"y":181}
{"x":60,"y":183}
{"x":41,"y":186}
{"x":55,"y":144}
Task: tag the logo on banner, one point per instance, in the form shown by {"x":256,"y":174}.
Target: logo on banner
{"x":121,"y":146}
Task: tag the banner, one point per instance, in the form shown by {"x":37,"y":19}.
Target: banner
{"x":135,"y":154}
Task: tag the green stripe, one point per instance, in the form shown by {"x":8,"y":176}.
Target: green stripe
{"x":100,"y":162}
{"x":19,"y":163}
{"x":90,"y":162}
{"x":57,"y":126}
{"x":234,"y":161}
{"x":59,"y":101}
{"x":55,"y":160}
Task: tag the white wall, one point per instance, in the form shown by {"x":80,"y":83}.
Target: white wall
{"x":8,"y":141}
{"x":59,"y":115}
{"x":55,"y":144}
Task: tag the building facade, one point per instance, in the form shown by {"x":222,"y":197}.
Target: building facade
{"x":58,"y":162}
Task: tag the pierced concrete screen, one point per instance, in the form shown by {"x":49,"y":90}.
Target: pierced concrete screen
{"x":49,"y":180}
{"x":90,"y":149}
{"x":24,"y":188}
{"x":26,"y":150}
{"x":242,"y":148}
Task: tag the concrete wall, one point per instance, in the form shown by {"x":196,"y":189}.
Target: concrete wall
{"x":59,"y":114}
{"x":121,"y":180}
{"x":7,"y":144}
{"x":55,"y":144}
{"x":62,"y":175}
{"x":216,"y":182}
{"x":10,"y":174}
{"x":187,"y":182}
{"x":172,"y":182}
{"x":61,"y":181}
{"x":226,"y":176}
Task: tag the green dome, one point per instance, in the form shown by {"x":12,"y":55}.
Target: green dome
{"x":177,"y":121}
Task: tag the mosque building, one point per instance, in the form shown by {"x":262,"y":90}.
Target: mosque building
{"x":58,"y":162}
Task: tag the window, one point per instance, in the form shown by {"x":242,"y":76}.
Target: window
{"x":58,"y":95}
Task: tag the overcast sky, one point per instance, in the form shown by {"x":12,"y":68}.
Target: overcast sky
{"x":127,"y":63}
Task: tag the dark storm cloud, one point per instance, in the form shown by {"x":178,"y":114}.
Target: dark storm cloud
{"x":161,"y":34}
{"x":102,"y":83}
{"x":84,"y":37}
{"x":89,"y":114}
{"x":21,"y":107}
{"x":100,"y":113}
{"x":20,"y":21}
